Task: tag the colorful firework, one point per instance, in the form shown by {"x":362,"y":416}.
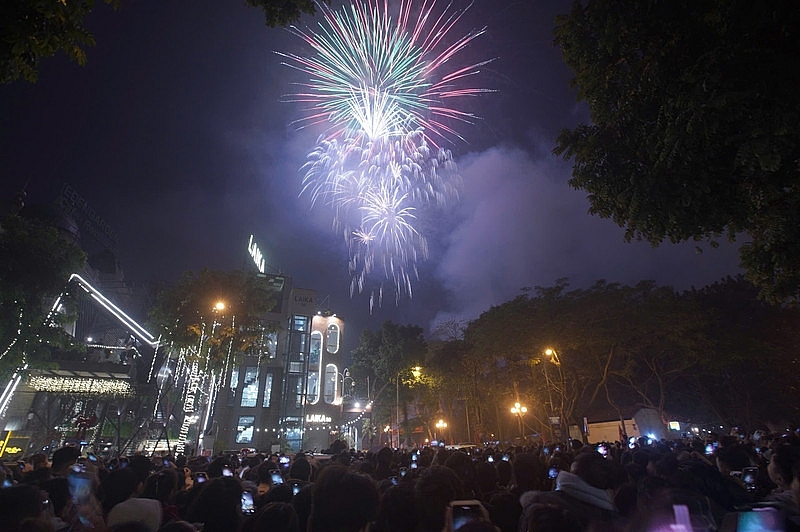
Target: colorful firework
{"x":382,"y":88}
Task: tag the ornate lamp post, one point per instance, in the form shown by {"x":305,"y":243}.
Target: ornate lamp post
{"x":441,"y":425}
{"x":519,"y":411}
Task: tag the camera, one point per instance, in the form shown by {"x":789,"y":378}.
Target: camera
{"x":247,"y":503}
{"x":466,"y":512}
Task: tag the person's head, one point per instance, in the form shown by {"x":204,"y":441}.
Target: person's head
{"x":117,"y":486}
{"x":529,"y":472}
{"x":597,"y":471}
{"x":161,"y":485}
{"x":435,"y":487}
{"x":781,"y":463}
{"x":275,"y":517}
{"x":300,"y":469}
{"x":218,"y":505}
{"x":342,"y":501}
{"x":397,"y":511}
{"x":63,"y":458}
{"x":22,"y":506}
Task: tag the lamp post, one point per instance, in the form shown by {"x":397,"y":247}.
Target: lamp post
{"x":519,"y":411}
{"x":552,"y":356}
{"x":416,"y":371}
{"x":440,"y":426}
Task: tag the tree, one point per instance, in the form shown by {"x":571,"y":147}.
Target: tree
{"x":187,"y":317}
{"x":387,"y":358}
{"x":695,"y":124}
{"x":285,"y":12}
{"x":36,"y":261}
{"x":615,"y":345}
{"x":34,"y":29}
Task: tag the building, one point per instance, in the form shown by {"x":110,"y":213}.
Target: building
{"x":286,"y":396}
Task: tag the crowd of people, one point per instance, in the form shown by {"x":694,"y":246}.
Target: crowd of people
{"x":730,"y":483}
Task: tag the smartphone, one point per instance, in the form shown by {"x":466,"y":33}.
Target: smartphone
{"x":80,"y":486}
{"x":165,"y":463}
{"x":295,"y":488}
{"x":552,"y":472}
{"x":760,"y":519}
{"x":284,"y":461}
{"x":490,"y":459}
{"x":506,"y":458}
{"x":403,"y":471}
{"x":394,"y":480}
{"x":465,"y":512}
{"x":413,"y":465}
{"x":247,"y":503}
{"x":227,"y":472}
{"x":602,"y":450}
{"x":750,"y":477}
{"x":277,"y":478}
{"x":200,"y":477}
{"x":92,"y":458}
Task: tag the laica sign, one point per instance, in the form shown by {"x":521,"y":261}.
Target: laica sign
{"x":317,"y":418}
{"x":258,"y":258}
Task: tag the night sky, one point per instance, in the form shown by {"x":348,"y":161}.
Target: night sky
{"x":177,"y":136}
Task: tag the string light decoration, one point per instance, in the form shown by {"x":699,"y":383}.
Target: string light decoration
{"x":81,"y":386}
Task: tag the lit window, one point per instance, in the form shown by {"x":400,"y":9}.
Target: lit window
{"x":314,"y":365}
{"x":250,"y":389}
{"x":271,"y":344}
{"x":267,"y":391}
{"x":331,"y":384}
{"x":333,"y":338}
{"x":244,"y":430}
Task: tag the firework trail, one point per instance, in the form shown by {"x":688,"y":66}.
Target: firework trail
{"x":382,"y":87}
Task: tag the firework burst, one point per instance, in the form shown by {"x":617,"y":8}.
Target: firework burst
{"x":383,"y":90}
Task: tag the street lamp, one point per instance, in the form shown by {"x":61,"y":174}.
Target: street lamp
{"x":416,"y":371}
{"x":440,"y":426}
{"x":519,"y":411}
{"x":552,"y":356}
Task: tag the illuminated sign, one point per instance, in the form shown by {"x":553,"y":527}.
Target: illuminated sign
{"x":255,"y":253}
{"x":317,"y":418}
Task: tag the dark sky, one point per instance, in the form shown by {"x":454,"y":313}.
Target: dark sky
{"x":176,"y":135}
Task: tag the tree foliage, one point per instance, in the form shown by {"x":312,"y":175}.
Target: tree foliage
{"x":34,"y":29}
{"x":284,"y":12}
{"x":695,"y":127}
{"x":36,"y":261}
{"x":186,"y":318}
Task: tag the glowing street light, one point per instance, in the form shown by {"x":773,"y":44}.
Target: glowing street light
{"x":552,"y":356}
{"x":416,"y":372}
{"x":440,"y":426}
{"x":519,"y":411}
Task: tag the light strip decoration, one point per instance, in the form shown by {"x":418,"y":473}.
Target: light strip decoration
{"x":81,"y":385}
{"x":11,"y":387}
{"x":137,"y":329}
